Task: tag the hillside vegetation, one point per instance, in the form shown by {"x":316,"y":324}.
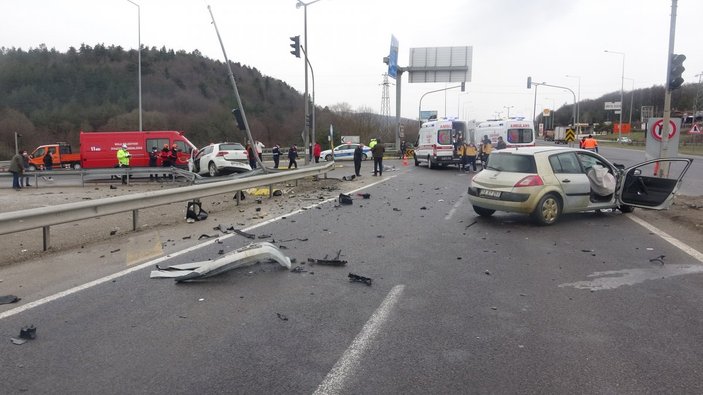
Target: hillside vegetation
{"x":49,"y":96}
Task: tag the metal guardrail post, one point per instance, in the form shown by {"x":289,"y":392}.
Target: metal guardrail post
{"x":135,"y":219}
{"x":270,"y":191}
{"x":45,"y":238}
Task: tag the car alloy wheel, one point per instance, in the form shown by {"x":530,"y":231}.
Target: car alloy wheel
{"x":548,"y":210}
{"x":212,"y":169}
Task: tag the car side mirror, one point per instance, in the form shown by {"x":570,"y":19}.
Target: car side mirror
{"x":637,"y":172}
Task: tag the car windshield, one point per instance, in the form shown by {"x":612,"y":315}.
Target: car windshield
{"x":231,"y":147}
{"x":513,"y":163}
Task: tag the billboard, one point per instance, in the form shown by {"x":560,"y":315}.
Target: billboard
{"x":612,"y":105}
{"x":440,"y":64}
{"x":425,"y":115}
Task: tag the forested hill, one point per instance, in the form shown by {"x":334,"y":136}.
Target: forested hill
{"x":50,"y":96}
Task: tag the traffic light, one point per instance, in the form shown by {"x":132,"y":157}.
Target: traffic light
{"x":239,"y":119}
{"x":295,"y":45}
{"x":529,"y":82}
{"x":676,"y":69}
{"x":308,"y":120}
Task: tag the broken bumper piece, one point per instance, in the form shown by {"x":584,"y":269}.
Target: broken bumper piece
{"x":255,"y":252}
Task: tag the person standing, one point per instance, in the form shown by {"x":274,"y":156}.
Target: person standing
{"x":49,"y":163}
{"x":251,"y":155}
{"x":403,"y":147}
{"x":471,"y":153}
{"x":378,"y":150}
{"x":292,"y":156}
{"x":259,"y":150}
{"x":154,"y":161}
{"x":123,"y":160}
{"x":17,"y":169}
{"x":25,"y":164}
{"x":590,"y":144}
{"x":316,"y":151}
{"x":173,"y":155}
{"x":500,"y":144}
{"x":276,"y":152}
{"x":358,"y":157}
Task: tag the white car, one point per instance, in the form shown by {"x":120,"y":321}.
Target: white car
{"x":548,"y":181}
{"x":345,"y":151}
{"x":220,"y":158}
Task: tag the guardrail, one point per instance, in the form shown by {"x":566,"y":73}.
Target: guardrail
{"x":45,"y":217}
{"x":173,"y":173}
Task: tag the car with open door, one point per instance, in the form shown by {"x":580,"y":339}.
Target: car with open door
{"x":220,"y":158}
{"x":546,"y":182}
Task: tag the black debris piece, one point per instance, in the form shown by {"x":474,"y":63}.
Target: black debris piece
{"x":204,"y":236}
{"x":328,"y":262}
{"x":7,"y":299}
{"x":185,"y":237}
{"x":380,"y":236}
{"x":113,"y":187}
{"x":349,"y":178}
{"x":241,"y":196}
{"x":220,"y":252}
{"x":423,"y":208}
{"x":359,"y":279}
{"x":487,"y":273}
{"x":659,"y":259}
{"x":28,"y":332}
{"x":396,"y":209}
{"x":195,"y":211}
{"x":263,"y":236}
{"x":345,"y":199}
{"x":114,"y":251}
{"x":586,"y":250}
{"x":113,"y":232}
{"x":258,"y":209}
{"x":245,"y":234}
{"x":298,"y":269}
{"x":224,"y":228}
{"x":364,"y":195}
{"x":470,"y":225}
{"x":258,"y":200}
{"x":282,"y":317}
{"x":298,"y":239}
{"x":277,"y":192}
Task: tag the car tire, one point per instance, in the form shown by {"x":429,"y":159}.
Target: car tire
{"x":484,"y":212}
{"x":417,"y":163}
{"x":548,"y":210}
{"x":212,"y":170}
{"x":626,"y":208}
{"x":328,"y":158}
{"x":32,"y":168}
{"x":364,"y":157}
{"x":429,"y":162}
{"x":76,"y":166}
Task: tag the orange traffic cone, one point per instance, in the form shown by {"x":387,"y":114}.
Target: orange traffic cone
{"x":405,"y":160}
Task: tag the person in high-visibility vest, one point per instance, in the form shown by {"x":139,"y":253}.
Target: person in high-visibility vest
{"x":123,"y":160}
{"x":590,"y":144}
{"x":373,"y":143}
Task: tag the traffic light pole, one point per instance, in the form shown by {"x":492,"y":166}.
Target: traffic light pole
{"x":664,"y":147}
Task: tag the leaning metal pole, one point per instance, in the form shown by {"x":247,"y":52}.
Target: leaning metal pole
{"x":236,"y":93}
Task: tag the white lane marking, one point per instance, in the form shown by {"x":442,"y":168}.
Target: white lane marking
{"x":676,"y":242}
{"x":350,"y":360}
{"x":449,"y":216}
{"x":113,"y":276}
{"x":616,"y":278}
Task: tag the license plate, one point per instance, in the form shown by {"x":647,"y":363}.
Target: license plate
{"x":489,"y":193}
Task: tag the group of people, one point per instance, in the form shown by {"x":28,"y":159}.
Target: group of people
{"x":168,"y":156}
{"x":469,"y":153}
{"x":20,"y":163}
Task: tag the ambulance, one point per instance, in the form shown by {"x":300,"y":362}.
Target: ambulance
{"x":515,"y":133}
{"x":435,"y":142}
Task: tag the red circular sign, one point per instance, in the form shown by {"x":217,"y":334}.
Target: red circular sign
{"x":657,"y":129}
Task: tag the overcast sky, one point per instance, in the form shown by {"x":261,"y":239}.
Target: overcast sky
{"x":347,"y":40}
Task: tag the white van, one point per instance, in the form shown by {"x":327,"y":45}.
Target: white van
{"x":435,"y":142}
{"x":515,"y":133}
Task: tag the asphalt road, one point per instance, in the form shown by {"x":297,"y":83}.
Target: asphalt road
{"x":459,"y":304}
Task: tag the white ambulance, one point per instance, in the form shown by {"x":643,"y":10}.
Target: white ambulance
{"x":435,"y":142}
{"x":515,"y":133}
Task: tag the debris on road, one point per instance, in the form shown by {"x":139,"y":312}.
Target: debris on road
{"x":364,"y":195}
{"x":659,"y":259}
{"x":329,"y":262}
{"x":396,"y":209}
{"x":282,"y":317}
{"x":205,"y":236}
{"x":349,"y":178}
{"x":7,"y":299}
{"x":355,"y":278}
{"x":253,"y":253}
{"x":195,"y":212}
{"x":26,"y":333}
{"x":345,"y":199}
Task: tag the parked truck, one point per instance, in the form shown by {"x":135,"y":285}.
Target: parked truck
{"x":61,"y":155}
{"x":560,"y":135}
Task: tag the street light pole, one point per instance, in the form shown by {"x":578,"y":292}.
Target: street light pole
{"x":578,"y":104}
{"x":419,"y":108}
{"x":632,"y":99}
{"x":307,"y":109}
{"x":139,"y":56}
{"x":508,"y":108}
{"x":622,"y":85}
